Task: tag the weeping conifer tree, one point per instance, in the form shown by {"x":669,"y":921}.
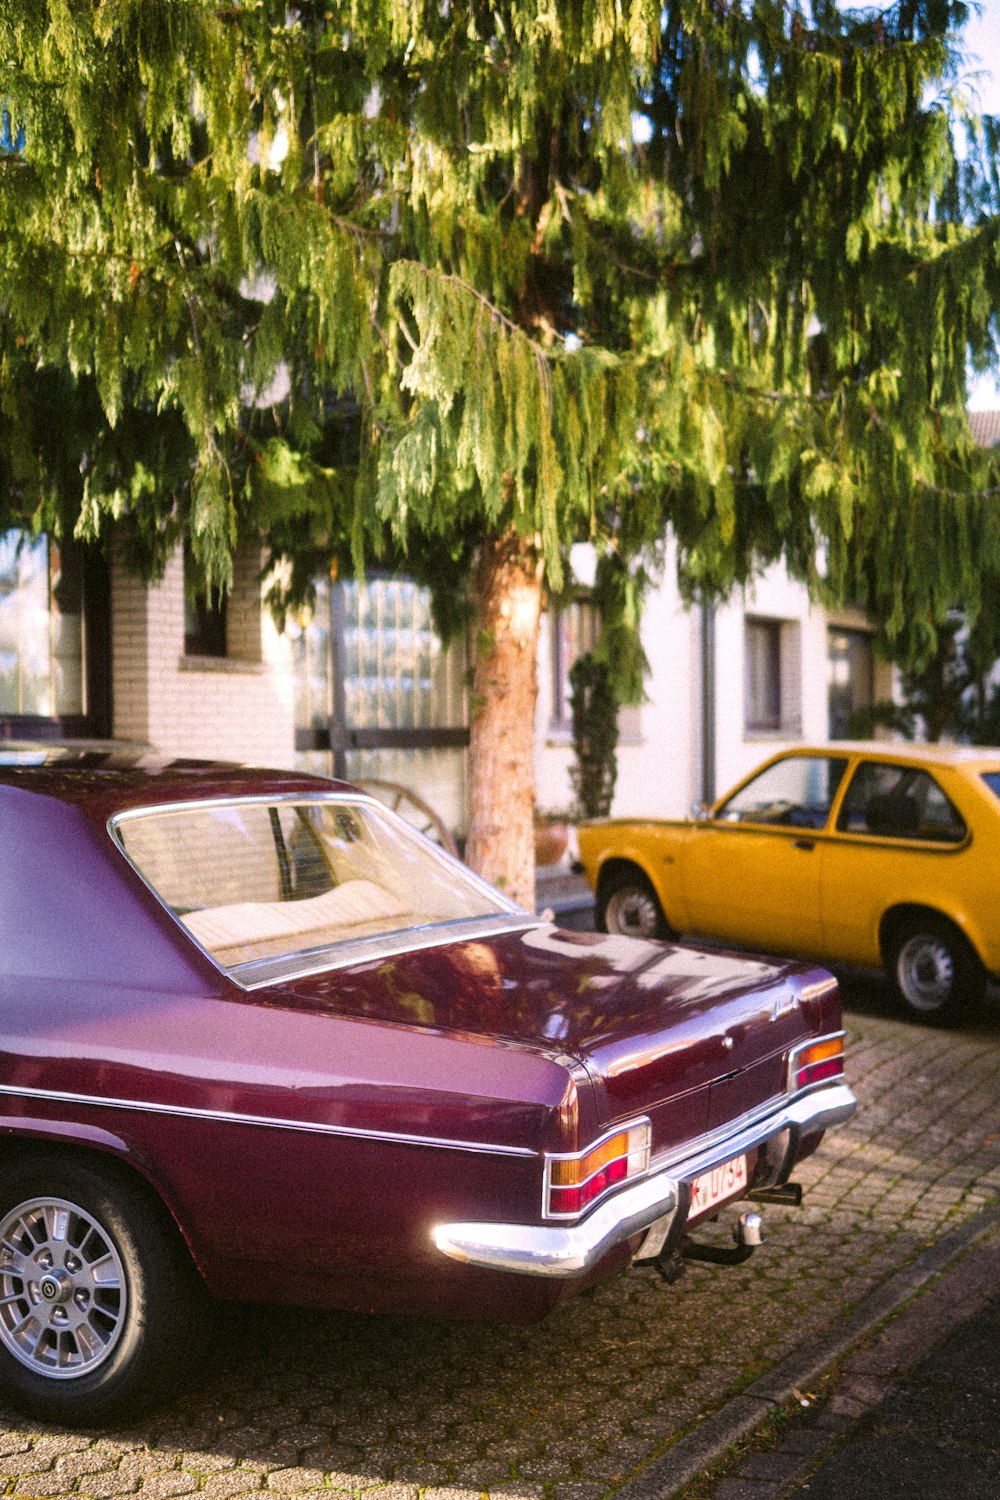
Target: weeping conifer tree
{"x":457,"y":284}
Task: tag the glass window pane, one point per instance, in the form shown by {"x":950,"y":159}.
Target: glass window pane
{"x":395,"y":675}
{"x":763,"y":674}
{"x":899,"y":802}
{"x":850,"y":678}
{"x":41,"y":629}
{"x":798,"y":792}
{"x":253,"y":881}
{"x":310,"y":638}
{"x":574,"y":628}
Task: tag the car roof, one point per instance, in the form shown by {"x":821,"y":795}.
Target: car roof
{"x":106,"y":777}
{"x":909,"y":751}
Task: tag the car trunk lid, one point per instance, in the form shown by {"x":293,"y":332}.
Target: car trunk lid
{"x":688,"y":1036}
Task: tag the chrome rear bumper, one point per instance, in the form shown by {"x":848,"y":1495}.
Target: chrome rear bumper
{"x":570,"y":1250}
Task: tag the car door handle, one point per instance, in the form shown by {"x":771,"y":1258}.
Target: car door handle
{"x":803,"y":843}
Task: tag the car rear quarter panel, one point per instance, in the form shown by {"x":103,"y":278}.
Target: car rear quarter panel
{"x":278,"y":1138}
{"x":275,"y":1136}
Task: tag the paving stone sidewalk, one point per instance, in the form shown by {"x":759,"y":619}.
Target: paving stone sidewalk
{"x":583,"y":1404}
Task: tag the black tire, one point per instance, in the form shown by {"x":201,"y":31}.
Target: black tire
{"x":628,"y":905}
{"x":101,"y":1309}
{"x":933,"y":969}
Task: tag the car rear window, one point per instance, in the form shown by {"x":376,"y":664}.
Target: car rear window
{"x":258,"y":880}
{"x":992,"y":779}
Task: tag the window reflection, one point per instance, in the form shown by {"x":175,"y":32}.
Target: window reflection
{"x":798,"y":791}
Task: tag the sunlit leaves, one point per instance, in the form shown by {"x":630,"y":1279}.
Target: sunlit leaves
{"x":393,"y":274}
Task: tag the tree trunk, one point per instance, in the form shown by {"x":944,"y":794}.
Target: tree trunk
{"x":508,"y":598}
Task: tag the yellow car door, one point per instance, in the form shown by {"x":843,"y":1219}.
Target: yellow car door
{"x":753,"y":870}
{"x":897,"y":840}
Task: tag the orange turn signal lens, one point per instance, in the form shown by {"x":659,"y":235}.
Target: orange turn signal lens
{"x":577,"y":1169}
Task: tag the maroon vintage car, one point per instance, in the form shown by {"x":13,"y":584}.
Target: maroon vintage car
{"x":251,"y":1019}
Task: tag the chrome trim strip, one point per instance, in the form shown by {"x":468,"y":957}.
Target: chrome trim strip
{"x":550,"y":1250}
{"x":294,"y":966}
{"x":819,"y":1110}
{"x":268,"y":1122}
{"x":759,"y":1113}
{"x":819,"y":989}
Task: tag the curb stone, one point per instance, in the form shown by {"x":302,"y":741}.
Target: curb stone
{"x":703,"y":1447}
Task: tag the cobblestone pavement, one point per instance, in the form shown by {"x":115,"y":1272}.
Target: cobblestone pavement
{"x":911,"y":1413}
{"x":573,"y":1408}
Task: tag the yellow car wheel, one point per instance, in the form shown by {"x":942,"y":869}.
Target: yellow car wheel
{"x":934,"y":970}
{"x":628,"y":905}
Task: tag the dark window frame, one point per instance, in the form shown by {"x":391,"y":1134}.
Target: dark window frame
{"x":206,"y":616}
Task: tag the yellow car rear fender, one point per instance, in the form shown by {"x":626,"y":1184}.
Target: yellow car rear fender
{"x":904,"y":913}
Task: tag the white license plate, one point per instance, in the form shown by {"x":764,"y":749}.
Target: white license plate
{"x":716,"y":1186}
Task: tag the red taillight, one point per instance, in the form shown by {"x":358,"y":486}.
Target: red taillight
{"x":572,"y":1183}
{"x":817,"y":1061}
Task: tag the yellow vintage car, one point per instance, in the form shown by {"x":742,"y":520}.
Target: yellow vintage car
{"x":849,"y":853}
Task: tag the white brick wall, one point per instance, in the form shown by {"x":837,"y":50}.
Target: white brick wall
{"x":241,"y":708}
{"x":237,"y":708}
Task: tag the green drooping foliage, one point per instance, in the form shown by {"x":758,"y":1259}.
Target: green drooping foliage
{"x":594,"y":710}
{"x":381,"y":277}
{"x":951,"y":693}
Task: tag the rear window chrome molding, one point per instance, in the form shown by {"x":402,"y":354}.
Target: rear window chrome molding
{"x":561,"y":1251}
{"x":263,"y":1122}
{"x":299,"y":964}
{"x":263,"y":972}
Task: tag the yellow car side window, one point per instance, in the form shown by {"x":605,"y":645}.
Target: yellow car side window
{"x":797,"y":792}
{"x":899,"y":802}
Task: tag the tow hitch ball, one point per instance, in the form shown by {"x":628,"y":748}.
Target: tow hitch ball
{"x":748,"y":1232}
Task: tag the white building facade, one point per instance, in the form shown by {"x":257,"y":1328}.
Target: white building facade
{"x":727,"y":687}
{"x":364,"y":688}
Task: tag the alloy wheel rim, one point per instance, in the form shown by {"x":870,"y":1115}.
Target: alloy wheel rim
{"x":632,"y":912}
{"x":63,"y":1292}
{"x":926,"y":972}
